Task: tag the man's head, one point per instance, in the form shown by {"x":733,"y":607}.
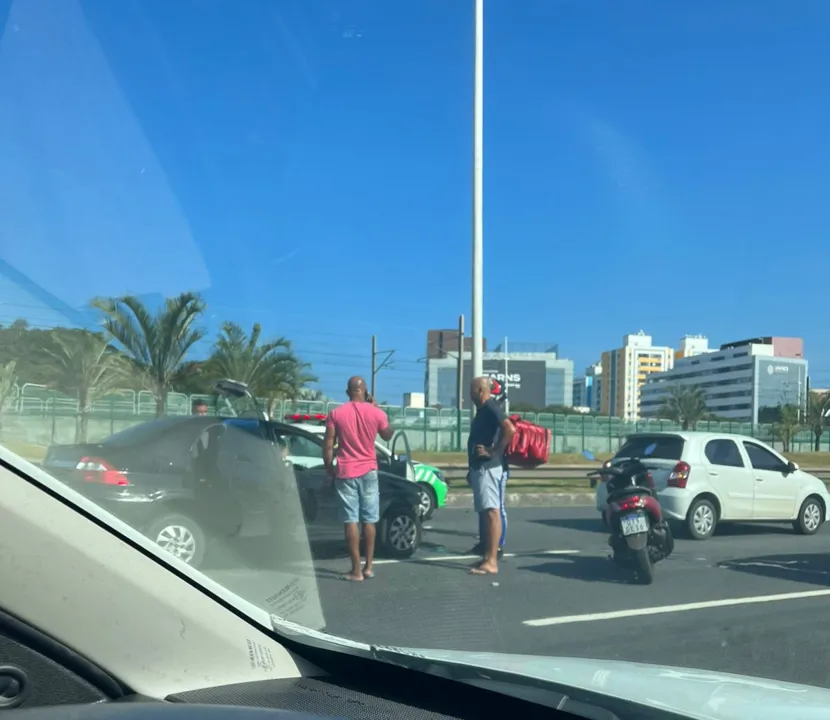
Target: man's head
{"x":356,"y":389}
{"x":199,"y":407}
{"x":480,"y":391}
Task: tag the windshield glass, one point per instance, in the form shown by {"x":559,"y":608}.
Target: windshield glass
{"x":427,"y":218}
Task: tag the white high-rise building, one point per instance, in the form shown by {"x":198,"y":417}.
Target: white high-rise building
{"x":692,"y":345}
{"x":588,"y":388}
{"x":625,"y":370}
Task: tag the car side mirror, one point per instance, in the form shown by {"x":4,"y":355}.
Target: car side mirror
{"x":791,"y":467}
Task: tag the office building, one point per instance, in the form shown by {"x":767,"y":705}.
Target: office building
{"x":625,"y":370}
{"x":587,"y":392}
{"x":740,"y":380}
{"x":444,"y":343}
{"x":535,"y":379}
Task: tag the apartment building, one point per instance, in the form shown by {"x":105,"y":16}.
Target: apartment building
{"x":587,"y":391}
{"x":625,"y":371}
{"x":691,"y":346}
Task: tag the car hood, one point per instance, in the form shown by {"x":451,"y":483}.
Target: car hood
{"x":809,"y":477}
{"x":694,"y":693}
{"x":398,"y":485}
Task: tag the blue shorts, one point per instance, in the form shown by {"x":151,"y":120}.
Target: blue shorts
{"x":488,"y":488}
{"x":359,"y":498}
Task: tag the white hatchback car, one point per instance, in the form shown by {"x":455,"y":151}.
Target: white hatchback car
{"x":703,"y":479}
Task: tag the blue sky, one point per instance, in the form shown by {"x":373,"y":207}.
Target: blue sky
{"x":307,"y":164}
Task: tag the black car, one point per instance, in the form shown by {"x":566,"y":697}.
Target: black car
{"x":184,"y":481}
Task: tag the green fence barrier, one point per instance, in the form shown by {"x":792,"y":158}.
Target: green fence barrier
{"x":43,"y":416}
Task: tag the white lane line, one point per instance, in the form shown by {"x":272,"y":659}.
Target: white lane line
{"x":685,"y":607}
{"x":439,"y":558}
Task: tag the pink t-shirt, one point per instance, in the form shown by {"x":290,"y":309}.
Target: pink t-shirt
{"x":356,"y":426}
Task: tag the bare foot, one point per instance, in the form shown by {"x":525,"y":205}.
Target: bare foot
{"x":352,"y":577}
{"x":368,"y":572}
{"x":485,"y":568}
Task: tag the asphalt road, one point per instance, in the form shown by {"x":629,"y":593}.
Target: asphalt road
{"x":561,"y":581}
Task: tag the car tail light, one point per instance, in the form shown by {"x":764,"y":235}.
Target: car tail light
{"x":679,"y":475}
{"x":96,"y":470}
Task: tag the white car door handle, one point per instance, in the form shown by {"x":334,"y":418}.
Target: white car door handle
{"x":712,"y":472}
{"x":759,"y":479}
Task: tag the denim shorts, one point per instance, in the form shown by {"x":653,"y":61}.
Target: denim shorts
{"x":359,"y":498}
{"x":488,"y":488}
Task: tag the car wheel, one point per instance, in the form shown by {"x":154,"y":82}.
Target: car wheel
{"x":701,"y":519}
{"x":428,"y":501}
{"x":810,"y":516}
{"x":181,"y":536}
{"x":400,"y":532}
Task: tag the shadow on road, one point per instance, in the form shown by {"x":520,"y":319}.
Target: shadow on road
{"x":455,"y":533}
{"x":594,"y":525}
{"x":581,"y":567}
{"x":803,"y":568}
{"x":733,"y":529}
{"x":591,"y":524}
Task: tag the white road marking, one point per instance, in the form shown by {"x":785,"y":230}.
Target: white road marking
{"x":685,"y":607}
{"x":438,"y":558}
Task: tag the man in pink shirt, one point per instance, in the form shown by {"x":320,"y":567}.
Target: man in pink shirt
{"x":355,"y":426}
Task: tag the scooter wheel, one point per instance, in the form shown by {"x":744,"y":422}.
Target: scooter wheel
{"x":644,"y":571}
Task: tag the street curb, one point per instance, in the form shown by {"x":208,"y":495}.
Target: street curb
{"x":465,"y":500}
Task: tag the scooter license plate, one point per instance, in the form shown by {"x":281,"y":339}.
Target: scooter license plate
{"x":633,"y":524}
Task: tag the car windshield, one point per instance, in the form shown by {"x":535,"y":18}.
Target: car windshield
{"x":414,"y":221}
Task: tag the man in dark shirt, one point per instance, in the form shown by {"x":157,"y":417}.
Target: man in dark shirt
{"x":490,"y":434}
{"x":500,"y":396}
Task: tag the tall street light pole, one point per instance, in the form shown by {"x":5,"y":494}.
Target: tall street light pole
{"x":478,"y":171}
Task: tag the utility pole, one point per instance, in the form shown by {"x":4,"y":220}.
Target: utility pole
{"x":478,"y":185}
{"x":459,"y":383}
{"x":376,"y":368}
{"x":374,"y":357}
{"x":506,"y":381}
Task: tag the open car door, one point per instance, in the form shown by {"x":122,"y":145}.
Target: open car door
{"x":402,"y":456}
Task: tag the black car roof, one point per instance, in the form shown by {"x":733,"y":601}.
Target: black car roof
{"x":149,"y":428}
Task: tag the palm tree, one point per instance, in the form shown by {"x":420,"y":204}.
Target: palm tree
{"x":8,"y":379}
{"x":818,"y":404}
{"x":788,"y":425}
{"x":156,"y":343}
{"x":685,"y":405}
{"x":86,"y":364}
{"x":269,"y":368}
{"x":312,"y":395}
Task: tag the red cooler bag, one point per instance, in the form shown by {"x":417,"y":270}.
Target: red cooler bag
{"x":530,"y":445}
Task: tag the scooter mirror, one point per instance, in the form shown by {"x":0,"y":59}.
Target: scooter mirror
{"x":650,"y":450}
{"x":588,"y":455}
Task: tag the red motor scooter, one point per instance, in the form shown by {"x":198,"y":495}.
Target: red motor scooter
{"x":640,"y":535}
